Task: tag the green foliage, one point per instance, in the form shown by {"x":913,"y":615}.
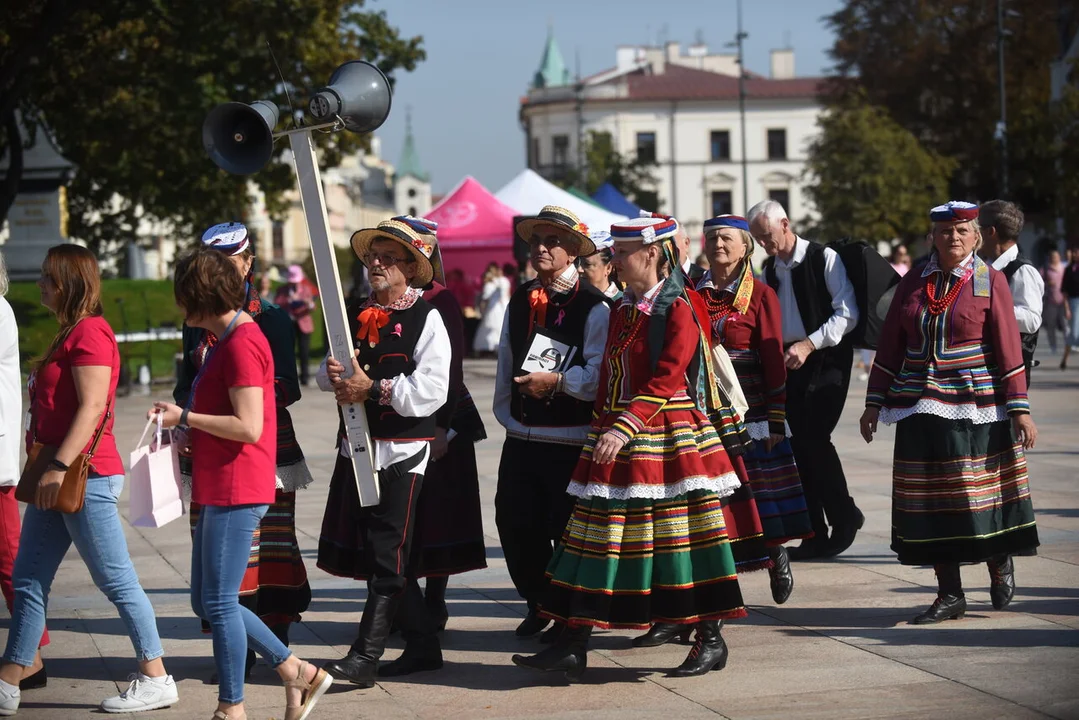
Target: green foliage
{"x":873,"y":180}
{"x":932,"y":66}
{"x":124,"y":87}
{"x":603,"y":163}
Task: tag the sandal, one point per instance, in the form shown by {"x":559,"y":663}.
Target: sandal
{"x":312,"y":691}
{"x":220,"y":715}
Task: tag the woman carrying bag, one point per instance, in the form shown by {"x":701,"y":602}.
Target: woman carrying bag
{"x":71,"y":393}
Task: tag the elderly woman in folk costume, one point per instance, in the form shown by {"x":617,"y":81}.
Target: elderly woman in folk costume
{"x":949,"y":373}
{"x":647,"y":541}
{"x":275,"y":587}
{"x":597,"y":269}
{"x":745,"y":319}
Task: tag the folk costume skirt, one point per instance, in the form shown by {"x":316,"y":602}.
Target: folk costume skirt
{"x":959,"y":492}
{"x":647,"y":541}
{"x":777,"y":488}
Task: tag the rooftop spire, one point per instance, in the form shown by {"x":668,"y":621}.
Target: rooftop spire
{"x":410,"y":159}
{"x":552,"y":70}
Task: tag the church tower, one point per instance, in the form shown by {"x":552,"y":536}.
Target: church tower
{"x":411,"y":185}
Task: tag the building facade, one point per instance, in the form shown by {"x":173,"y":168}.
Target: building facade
{"x":681,"y":111}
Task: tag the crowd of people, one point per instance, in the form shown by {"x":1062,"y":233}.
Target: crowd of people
{"x":668,"y":428}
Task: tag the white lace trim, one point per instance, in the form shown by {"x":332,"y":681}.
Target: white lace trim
{"x":759,"y":430}
{"x":289,"y":479}
{"x":966,"y":411}
{"x":723,"y":486}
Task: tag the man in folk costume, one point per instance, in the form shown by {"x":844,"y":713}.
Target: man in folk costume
{"x":448,"y":537}
{"x":401,"y":374}
{"x":546,"y":411}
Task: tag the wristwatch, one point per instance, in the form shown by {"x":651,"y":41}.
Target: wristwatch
{"x":375,"y":393}
{"x":57,"y":465}
{"x":183,"y":419}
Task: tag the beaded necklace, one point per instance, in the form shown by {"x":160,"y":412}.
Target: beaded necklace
{"x":935,"y":305}
{"x":630,"y":330}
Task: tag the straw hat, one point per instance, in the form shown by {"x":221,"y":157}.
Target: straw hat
{"x":408,"y":238}
{"x":563,"y":220}
{"x":428,"y":232}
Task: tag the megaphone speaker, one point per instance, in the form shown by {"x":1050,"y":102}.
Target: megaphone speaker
{"x":358,"y":93}
{"x":238,"y":137}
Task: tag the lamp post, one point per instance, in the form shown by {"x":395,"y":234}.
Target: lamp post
{"x":1001,"y":133}
{"x":742,"y":109}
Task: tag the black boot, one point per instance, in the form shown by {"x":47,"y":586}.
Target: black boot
{"x":281,"y":632}
{"x":531,"y":625}
{"x":709,"y":652}
{"x":361,"y":664}
{"x":568,"y":655}
{"x":814,"y":547}
{"x":420,"y":632}
{"x":551,"y":634}
{"x":843,"y":532}
{"x":434,"y":594}
{"x":951,"y":603}
{"x":1002,"y":581}
{"x":780,"y":575}
{"x":662,"y":633}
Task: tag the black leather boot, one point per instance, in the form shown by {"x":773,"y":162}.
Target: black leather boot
{"x":281,"y":632}
{"x":434,"y":594}
{"x":1002,"y":581}
{"x":662,"y":633}
{"x":780,"y":576}
{"x":531,"y":625}
{"x":814,"y":547}
{"x":361,"y":664}
{"x":420,"y":632}
{"x":551,"y":634}
{"x":843,"y":532}
{"x":709,"y":652}
{"x":951,"y":603}
{"x":568,"y":655}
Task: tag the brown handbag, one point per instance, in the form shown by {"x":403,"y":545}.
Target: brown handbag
{"x":73,"y":489}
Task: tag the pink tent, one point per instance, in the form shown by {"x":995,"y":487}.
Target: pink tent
{"x":474,"y":229}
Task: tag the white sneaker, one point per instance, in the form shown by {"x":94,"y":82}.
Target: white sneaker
{"x":9,"y":700}
{"x":143,"y":694}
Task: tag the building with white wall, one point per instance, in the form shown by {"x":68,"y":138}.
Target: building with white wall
{"x":682,"y":111}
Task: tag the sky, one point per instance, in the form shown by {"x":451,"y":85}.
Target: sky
{"x":482,"y":54}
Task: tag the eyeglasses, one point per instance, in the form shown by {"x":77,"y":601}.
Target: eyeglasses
{"x":548,"y":242}
{"x":383,"y":260}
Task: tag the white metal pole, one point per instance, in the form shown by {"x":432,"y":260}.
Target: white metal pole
{"x":333,"y":308}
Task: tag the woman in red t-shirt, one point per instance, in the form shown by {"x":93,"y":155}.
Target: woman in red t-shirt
{"x":231,"y":418}
{"x":71,"y":396}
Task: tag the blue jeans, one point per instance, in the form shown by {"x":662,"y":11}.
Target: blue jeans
{"x":99,"y":537}
{"x":221,"y":547}
{"x":1073,"y":334}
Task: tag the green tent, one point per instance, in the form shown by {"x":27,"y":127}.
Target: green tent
{"x":582,"y":195}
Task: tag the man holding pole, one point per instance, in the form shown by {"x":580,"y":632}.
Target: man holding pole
{"x":400,"y":373}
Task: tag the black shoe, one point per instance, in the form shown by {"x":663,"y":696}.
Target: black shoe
{"x":1002,"y":589}
{"x":531,"y":625}
{"x":418,"y":656}
{"x":361,"y":664}
{"x":780,"y":576}
{"x":358,"y":669}
{"x":434,"y":595}
{"x":843,"y":534}
{"x":708,"y":653}
{"x":249,"y":665}
{"x":662,"y":633}
{"x":945,"y":607}
{"x":810,"y":549}
{"x":36,"y":681}
{"x":569,"y":655}
{"x":551,"y":634}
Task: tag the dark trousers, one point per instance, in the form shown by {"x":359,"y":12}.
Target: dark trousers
{"x":303,"y":353}
{"x":532,"y":509}
{"x":388,"y":527}
{"x":816,"y":393}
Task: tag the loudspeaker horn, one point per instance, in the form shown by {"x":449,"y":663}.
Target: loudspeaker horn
{"x":238,"y":137}
{"x":359,"y":93}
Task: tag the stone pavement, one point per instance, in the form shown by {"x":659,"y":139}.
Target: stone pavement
{"x":840,"y":648}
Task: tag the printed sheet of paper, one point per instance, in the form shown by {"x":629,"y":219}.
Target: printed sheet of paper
{"x":547,"y":353}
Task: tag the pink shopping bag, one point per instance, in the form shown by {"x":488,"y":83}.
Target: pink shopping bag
{"x":155,"y":481}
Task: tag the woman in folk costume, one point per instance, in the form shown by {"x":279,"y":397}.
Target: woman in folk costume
{"x":647,"y":541}
{"x":275,"y":587}
{"x":597,"y":269}
{"x":448,"y":535}
{"x":949,"y":373}
{"x":745,"y":319}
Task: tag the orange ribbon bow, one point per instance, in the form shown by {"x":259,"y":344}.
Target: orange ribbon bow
{"x":537,"y":301}
{"x":372,"y":320}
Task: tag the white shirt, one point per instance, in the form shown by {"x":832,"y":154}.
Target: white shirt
{"x":1028,"y":289}
{"x":844,"y":304}
{"x":10,"y":397}
{"x":579,"y":382}
{"x":420,"y":394}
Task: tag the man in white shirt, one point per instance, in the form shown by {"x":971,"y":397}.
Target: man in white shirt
{"x":818,"y":309}
{"x":401,"y":374}
{"x":546,"y":412}
{"x":1001,"y":222}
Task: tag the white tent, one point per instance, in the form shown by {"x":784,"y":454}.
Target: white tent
{"x":528,"y":193}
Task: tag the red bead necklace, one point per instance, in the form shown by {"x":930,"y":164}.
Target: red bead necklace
{"x":936,"y":306}
{"x":628,"y":333}
{"x":718,"y":309}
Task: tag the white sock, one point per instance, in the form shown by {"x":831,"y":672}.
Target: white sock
{"x":9,"y":688}
{"x":159,"y":679}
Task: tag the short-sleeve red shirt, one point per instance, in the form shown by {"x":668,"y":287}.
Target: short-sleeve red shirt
{"x":55,"y":401}
{"x":227,"y":472}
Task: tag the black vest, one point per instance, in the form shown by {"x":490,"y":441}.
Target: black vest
{"x":392,"y":356}
{"x":1028,"y":340}
{"x":560,"y":410}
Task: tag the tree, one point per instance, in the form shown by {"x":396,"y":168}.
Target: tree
{"x":603,"y":163}
{"x":932,"y":65}
{"x":124,"y":85}
{"x":872,"y":179}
